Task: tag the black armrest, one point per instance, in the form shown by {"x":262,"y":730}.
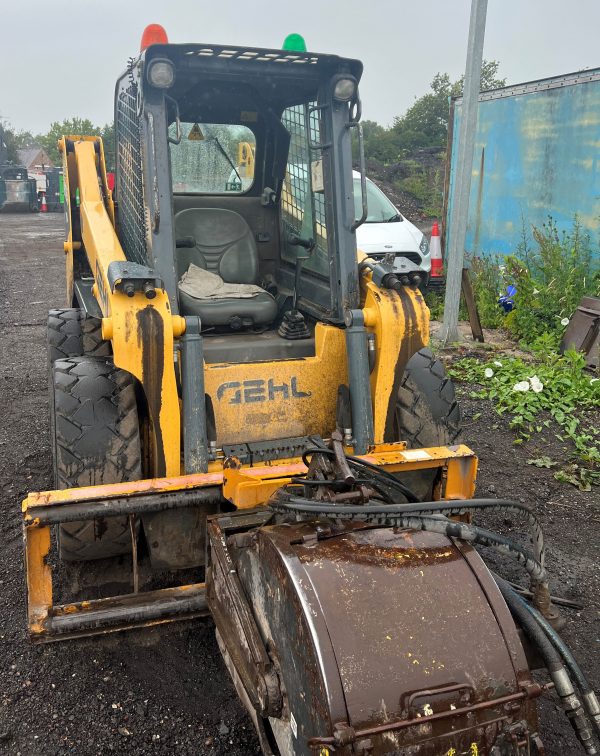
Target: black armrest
{"x":186,"y":242}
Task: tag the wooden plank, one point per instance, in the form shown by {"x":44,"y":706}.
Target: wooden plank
{"x":467,"y":290}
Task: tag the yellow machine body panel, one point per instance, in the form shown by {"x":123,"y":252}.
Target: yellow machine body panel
{"x":260,"y":401}
{"x":400,"y":324}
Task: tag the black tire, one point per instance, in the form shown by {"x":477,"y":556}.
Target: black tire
{"x":96,"y":440}
{"x":72,"y":334}
{"x":427,"y":413}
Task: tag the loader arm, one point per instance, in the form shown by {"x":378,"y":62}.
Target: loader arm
{"x":137,"y":317}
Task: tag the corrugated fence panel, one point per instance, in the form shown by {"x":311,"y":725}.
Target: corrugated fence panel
{"x":537,"y":153}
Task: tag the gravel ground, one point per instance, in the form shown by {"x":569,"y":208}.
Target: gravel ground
{"x":165,"y":690}
{"x":156,"y":691}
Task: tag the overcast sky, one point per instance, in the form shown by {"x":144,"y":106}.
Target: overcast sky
{"x":60,"y":59}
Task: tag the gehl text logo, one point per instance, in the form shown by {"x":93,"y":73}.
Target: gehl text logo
{"x":245,"y":392}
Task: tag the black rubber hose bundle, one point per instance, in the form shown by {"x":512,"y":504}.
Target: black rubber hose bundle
{"x":364,"y":466}
{"x":590,"y":700}
{"x":448,"y":507}
{"x":529,"y":619}
{"x":409,"y":516}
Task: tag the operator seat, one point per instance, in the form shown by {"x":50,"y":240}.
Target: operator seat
{"x":224,"y":245}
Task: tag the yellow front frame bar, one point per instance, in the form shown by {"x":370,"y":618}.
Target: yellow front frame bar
{"x":246,"y":487}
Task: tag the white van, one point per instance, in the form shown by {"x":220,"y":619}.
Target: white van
{"x":387,"y":231}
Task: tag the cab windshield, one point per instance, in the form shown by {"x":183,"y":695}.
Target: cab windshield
{"x":380,"y":208}
{"x":212,"y":158}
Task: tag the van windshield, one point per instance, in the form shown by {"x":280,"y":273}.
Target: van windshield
{"x":380,"y":208}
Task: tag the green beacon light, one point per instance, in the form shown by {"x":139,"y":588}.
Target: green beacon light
{"x":295,"y":43}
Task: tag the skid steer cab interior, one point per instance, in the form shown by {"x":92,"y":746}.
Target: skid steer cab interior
{"x":236,"y":392}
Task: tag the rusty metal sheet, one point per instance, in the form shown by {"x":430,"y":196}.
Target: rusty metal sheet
{"x":583,"y":332}
{"x":410,"y":644}
{"x":391,"y":626}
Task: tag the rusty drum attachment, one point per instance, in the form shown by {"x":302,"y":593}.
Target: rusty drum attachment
{"x":351,"y":639}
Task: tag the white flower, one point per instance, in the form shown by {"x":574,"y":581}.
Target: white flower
{"x":536,"y":291}
{"x":497,"y":363}
{"x":536,"y":384}
{"x":488,"y":372}
{"x":564,"y":322}
{"x":521,"y":386}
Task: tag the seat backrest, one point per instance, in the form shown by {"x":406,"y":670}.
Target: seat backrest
{"x":224,"y":244}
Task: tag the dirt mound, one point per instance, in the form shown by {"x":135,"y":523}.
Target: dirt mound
{"x":423,"y":171}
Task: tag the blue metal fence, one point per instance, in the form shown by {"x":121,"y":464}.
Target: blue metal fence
{"x":537,"y":153}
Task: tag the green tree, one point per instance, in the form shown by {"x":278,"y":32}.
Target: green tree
{"x":14,"y":141}
{"x":379,"y":142}
{"x":107,"y":132}
{"x":425,"y":123}
{"x":75,"y":126}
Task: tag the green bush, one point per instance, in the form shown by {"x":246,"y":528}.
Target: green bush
{"x":550,"y":281}
{"x":425,"y":185}
{"x":487,"y":282}
{"x":435,"y":302}
{"x":486,"y":279}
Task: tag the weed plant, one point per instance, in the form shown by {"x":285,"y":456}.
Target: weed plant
{"x":550,"y":279}
{"x":551,"y":274}
{"x":535,"y":392}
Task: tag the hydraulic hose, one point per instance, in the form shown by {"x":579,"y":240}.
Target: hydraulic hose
{"x":408,"y":516}
{"x":451,"y":507}
{"x":382,"y":481}
{"x":588,"y":695}
{"x":390,"y":479}
{"x":521,"y":611}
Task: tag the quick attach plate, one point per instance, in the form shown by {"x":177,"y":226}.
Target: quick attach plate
{"x":263,"y":451}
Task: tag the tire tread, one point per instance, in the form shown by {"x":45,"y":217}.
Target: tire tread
{"x":96,"y":441}
{"x":427,"y":412}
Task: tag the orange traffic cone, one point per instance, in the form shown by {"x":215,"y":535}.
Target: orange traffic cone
{"x":435,"y":250}
{"x":43,"y":205}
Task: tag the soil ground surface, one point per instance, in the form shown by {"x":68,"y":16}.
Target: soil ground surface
{"x":166,"y":690}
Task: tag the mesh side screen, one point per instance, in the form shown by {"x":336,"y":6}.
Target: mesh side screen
{"x":130,"y":188}
{"x":303,"y":208}
{"x":318,"y":197}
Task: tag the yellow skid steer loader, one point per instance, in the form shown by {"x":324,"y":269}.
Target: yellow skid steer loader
{"x":236,"y":393}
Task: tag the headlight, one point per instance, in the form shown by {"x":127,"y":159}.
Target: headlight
{"x":161,"y":74}
{"x":344,"y":89}
{"x":424,"y":246}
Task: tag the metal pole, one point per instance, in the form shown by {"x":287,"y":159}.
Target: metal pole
{"x":195,"y":444}
{"x":359,"y":381}
{"x":464,"y":165}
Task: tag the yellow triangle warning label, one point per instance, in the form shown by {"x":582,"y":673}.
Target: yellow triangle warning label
{"x":195,"y":134}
